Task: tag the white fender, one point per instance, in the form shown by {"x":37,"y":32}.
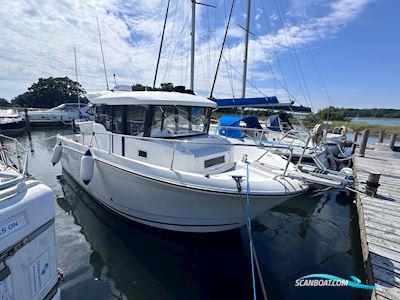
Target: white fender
{"x":87,"y":164}
{"x":346,"y":171}
{"x":56,"y":154}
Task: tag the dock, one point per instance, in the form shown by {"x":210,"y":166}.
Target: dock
{"x":379,"y":218}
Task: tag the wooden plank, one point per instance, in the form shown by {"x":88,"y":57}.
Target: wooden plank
{"x":380,"y":297}
{"x":384,"y":252}
{"x":378,"y":214}
{"x":384,"y":233}
{"x":376,"y":240}
{"x":386,"y":291}
{"x":385,"y":263}
{"x":386,"y":211}
{"x":383,"y":203}
{"x":380,"y":224}
{"x":369,"y":219}
{"x":386,"y":276}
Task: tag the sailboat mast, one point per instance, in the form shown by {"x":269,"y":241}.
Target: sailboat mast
{"x":102,"y":53}
{"x":161,"y":44}
{"x":246,"y":49}
{"x":76,"y":76}
{"x":192,"y":45}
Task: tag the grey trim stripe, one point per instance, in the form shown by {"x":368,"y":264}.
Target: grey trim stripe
{"x":10,"y":251}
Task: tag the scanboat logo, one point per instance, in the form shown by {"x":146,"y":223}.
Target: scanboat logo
{"x":330,"y":280}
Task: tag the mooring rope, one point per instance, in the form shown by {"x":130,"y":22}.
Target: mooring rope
{"x":253,"y":253}
{"x":249,"y":229}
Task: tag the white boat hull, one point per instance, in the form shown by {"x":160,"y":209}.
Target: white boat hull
{"x":164,"y":204}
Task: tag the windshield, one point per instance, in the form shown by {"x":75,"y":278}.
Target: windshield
{"x":175,"y":121}
{"x":68,"y":107}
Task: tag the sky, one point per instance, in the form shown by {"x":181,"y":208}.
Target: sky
{"x":317,"y":53}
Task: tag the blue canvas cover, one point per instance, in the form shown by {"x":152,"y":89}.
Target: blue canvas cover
{"x":234,"y":121}
{"x":273,"y":123}
{"x":246,"y":102}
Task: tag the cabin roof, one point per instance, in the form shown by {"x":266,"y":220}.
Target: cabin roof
{"x":149,"y":98}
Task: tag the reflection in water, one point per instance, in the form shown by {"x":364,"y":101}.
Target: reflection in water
{"x":104,"y":257}
{"x":138,"y":262}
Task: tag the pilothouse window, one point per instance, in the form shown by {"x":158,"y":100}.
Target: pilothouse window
{"x":104,"y":116}
{"x":135,"y":120}
{"x":117,"y":119}
{"x":171,"y":121}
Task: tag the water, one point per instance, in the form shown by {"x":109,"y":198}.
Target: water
{"x":378,"y":121}
{"x":104,"y":257}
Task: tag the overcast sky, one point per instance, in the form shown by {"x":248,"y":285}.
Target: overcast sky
{"x":318,"y":52}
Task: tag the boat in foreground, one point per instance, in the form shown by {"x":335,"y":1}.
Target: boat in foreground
{"x":28,"y":263}
{"x":148,"y":157}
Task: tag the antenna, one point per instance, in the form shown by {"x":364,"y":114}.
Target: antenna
{"x":115,"y":81}
{"x":161,"y":44}
{"x":77,"y":83}
{"x":102,"y":53}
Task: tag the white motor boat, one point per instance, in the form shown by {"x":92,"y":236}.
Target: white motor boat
{"x":11,"y":122}
{"x":28,"y":264}
{"x":63,"y":114}
{"x":148,"y":157}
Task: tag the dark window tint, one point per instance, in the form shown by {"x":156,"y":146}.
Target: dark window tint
{"x":117,"y":124}
{"x":104,"y":116}
{"x":135,"y":120}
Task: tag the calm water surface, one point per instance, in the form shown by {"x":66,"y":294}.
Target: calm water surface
{"x":104,"y":257}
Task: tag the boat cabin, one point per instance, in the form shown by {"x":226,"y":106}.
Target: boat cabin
{"x":128,"y":117}
{"x":153,"y":114}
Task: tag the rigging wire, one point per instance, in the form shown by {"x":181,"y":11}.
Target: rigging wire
{"x":285,"y":33}
{"x":102,"y":53}
{"x":275,"y":51}
{"x":175,"y":10}
{"x":169,"y":64}
{"x":320,"y":76}
{"x":161,"y":44}
{"x":292,"y":45}
{"x":222,"y":48}
{"x":228,"y":70}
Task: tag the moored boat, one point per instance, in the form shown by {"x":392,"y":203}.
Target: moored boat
{"x":11,"y":122}
{"x":28,"y":264}
{"x":148,"y":157}
{"x":63,"y":114}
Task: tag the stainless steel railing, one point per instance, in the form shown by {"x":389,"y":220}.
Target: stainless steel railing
{"x":13,"y":154}
{"x":93,"y":142}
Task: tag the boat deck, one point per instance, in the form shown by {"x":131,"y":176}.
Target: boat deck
{"x":379,"y":220}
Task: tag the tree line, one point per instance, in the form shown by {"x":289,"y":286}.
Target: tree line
{"x":345,"y":114}
{"x":53,"y":91}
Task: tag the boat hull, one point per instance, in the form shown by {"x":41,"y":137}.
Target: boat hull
{"x":164,"y":204}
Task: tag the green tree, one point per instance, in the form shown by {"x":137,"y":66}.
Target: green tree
{"x":4,"y":102}
{"x":50,"y":92}
{"x":166,"y":86}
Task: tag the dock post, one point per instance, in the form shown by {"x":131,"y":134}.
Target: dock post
{"x":363,"y":143}
{"x":355,"y":136}
{"x":28,"y":124}
{"x":381,"y":136}
{"x":392,"y":140}
{"x":372,"y":184}
{"x":354,"y":144}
